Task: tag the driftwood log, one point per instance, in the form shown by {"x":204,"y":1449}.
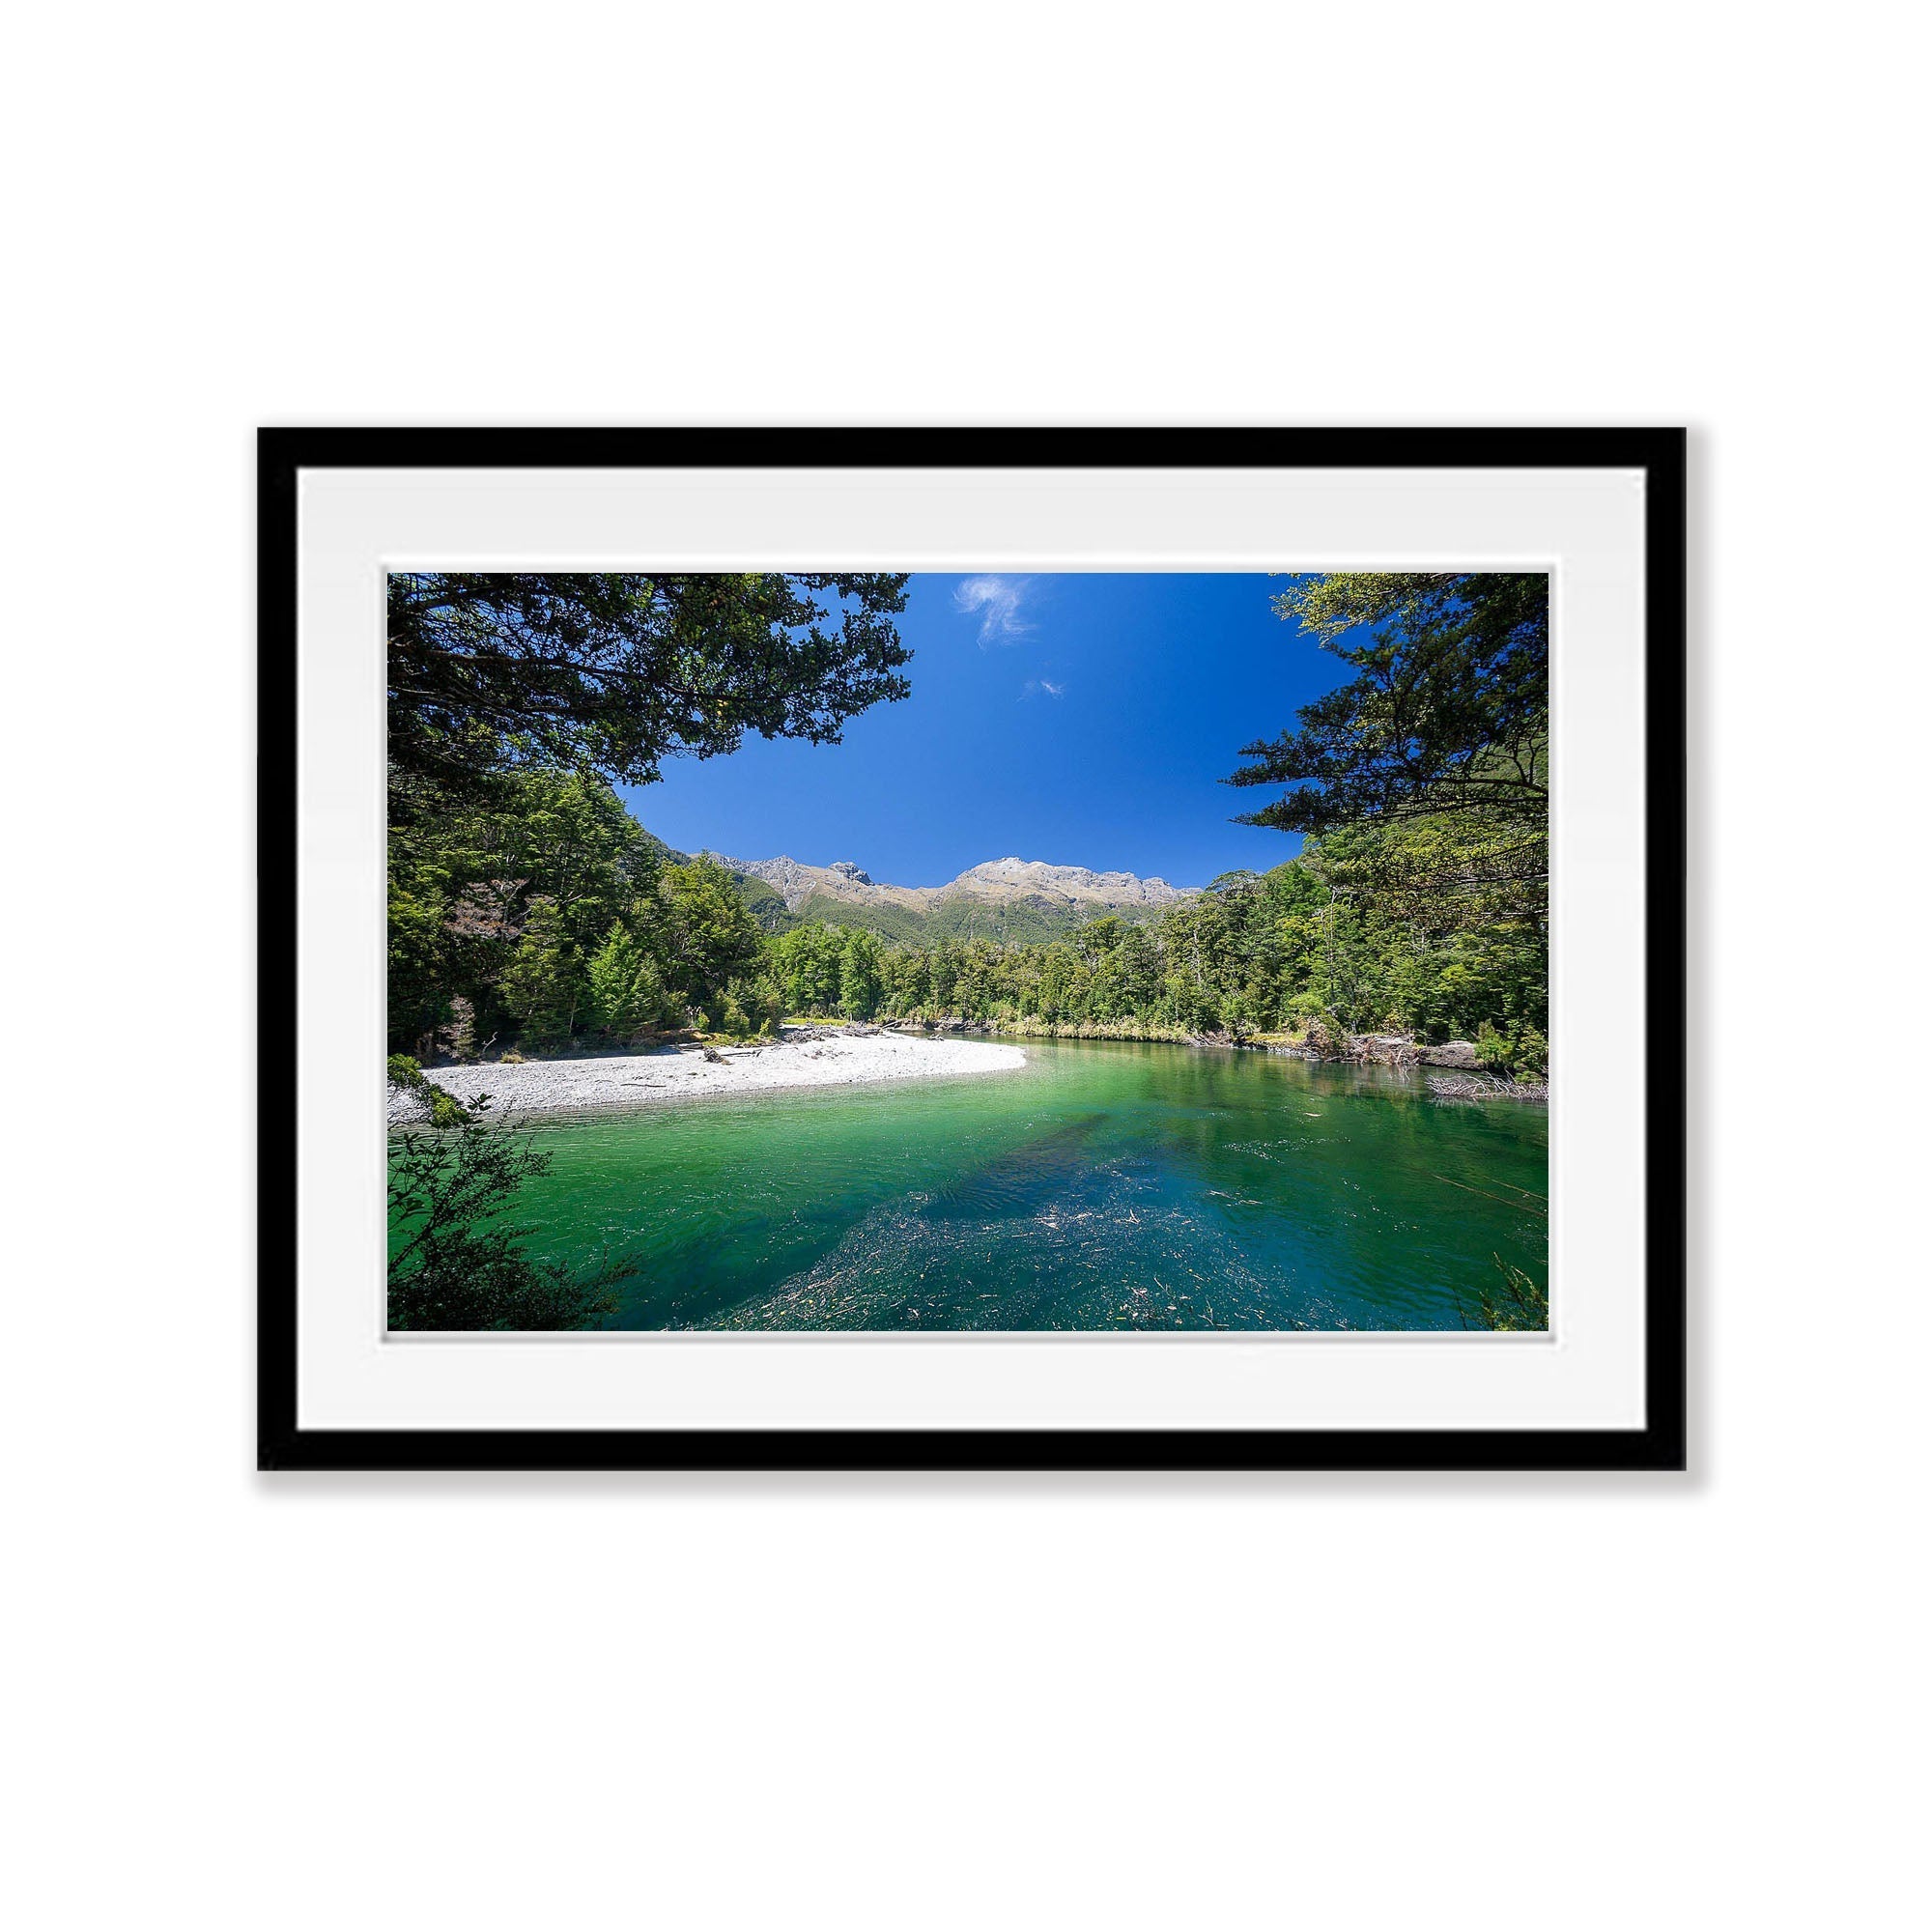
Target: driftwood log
{"x":1484,"y":1086}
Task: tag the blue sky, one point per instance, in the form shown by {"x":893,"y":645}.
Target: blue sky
{"x":1083,"y":720}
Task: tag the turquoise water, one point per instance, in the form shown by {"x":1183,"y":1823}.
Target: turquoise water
{"x":1105,"y":1185}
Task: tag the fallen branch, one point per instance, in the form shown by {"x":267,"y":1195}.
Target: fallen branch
{"x":1484,"y":1086}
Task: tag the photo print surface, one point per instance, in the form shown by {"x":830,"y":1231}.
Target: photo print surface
{"x":932,"y":954}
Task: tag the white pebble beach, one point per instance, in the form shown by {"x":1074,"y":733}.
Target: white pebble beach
{"x":684,"y":1073}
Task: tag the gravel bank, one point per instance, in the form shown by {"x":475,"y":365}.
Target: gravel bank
{"x":683,"y":1073}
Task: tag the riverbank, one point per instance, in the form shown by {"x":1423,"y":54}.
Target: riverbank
{"x":1397,"y":1050}
{"x":691,"y":1073}
{"x":1467,"y":1078}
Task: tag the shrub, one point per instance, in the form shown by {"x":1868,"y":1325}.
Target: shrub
{"x":1326,"y":1035}
{"x":461,"y":1266}
{"x":1532,"y":1056}
{"x":444,"y":1110}
{"x":1494,"y":1052}
{"x":458,"y":1038}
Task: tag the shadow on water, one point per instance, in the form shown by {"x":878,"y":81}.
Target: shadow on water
{"x":1023,"y":1179}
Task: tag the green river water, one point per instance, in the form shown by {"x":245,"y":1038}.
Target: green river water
{"x":1104,"y":1186}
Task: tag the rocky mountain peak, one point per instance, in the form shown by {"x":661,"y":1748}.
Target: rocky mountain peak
{"x":1036,"y":875}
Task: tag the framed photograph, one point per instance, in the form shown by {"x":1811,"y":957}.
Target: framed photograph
{"x":972,"y":949}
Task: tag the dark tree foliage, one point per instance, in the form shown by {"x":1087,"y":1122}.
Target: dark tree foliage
{"x":544,"y":913}
{"x":613,"y":673}
{"x":502,"y":897}
{"x":460,"y":1267}
{"x":1439,"y":874}
{"x":1449,"y":711}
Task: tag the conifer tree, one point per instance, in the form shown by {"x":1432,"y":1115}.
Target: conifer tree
{"x":625,"y":993}
{"x":544,"y":987}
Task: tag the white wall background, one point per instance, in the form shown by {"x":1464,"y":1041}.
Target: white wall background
{"x":1495,"y":1703}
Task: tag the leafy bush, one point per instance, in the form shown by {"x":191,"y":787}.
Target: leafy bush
{"x":1532,"y":1056}
{"x":444,"y":1110}
{"x":1326,"y":1035}
{"x":460,"y":1268}
{"x":1494,"y":1052}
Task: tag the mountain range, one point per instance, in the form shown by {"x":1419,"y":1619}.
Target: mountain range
{"x":1020,"y":899}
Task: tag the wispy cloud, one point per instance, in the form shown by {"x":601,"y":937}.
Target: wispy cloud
{"x":996,"y":601}
{"x":1042,"y":686}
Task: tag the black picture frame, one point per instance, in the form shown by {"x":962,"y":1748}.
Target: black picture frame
{"x":282,"y":1444}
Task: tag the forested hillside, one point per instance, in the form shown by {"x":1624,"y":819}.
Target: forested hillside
{"x":543,"y":914}
{"x":1016,"y":919}
{"x":1001,"y":900}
